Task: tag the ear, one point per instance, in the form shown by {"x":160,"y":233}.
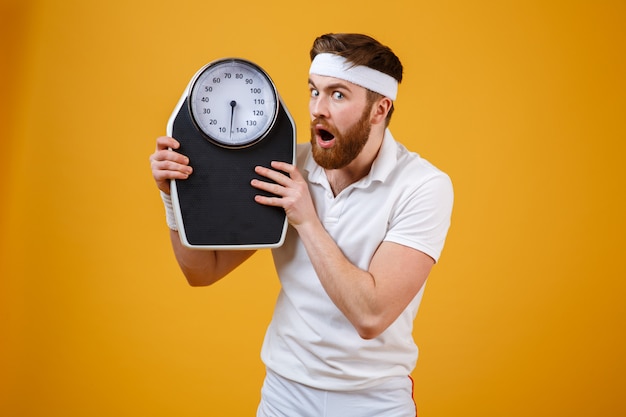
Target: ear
{"x":380,"y":109}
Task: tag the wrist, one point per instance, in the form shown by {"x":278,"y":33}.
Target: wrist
{"x":170,"y":218}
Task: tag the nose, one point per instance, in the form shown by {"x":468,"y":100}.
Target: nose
{"x":318,"y":107}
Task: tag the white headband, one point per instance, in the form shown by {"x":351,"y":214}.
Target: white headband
{"x":332,"y":65}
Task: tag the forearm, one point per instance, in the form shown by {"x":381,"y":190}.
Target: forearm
{"x":352,"y":289}
{"x":205,"y":267}
{"x":370,"y":299}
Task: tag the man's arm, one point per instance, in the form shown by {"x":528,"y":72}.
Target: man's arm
{"x":370,"y":299}
{"x":205,"y":267}
{"x":200,"y":267}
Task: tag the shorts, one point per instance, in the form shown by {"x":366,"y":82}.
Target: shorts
{"x":281,"y":397}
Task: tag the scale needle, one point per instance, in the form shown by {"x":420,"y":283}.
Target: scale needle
{"x":232,"y":112}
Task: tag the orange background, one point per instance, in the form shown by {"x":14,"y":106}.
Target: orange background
{"x":523,"y":103}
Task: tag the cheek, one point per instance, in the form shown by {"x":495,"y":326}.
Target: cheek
{"x":346,"y":118}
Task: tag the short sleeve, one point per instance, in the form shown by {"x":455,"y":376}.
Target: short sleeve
{"x":421,"y":217}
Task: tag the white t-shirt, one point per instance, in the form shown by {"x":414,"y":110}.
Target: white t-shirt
{"x":404,"y":199}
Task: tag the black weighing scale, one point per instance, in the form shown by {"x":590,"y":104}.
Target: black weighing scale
{"x":229,"y":120}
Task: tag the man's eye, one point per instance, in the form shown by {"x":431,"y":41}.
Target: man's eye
{"x":337,"y":95}
{"x":314,"y":93}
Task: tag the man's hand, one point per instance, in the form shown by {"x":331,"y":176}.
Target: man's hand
{"x":290,"y":189}
{"x":167,"y":164}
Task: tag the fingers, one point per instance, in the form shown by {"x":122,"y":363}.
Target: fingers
{"x":279,"y":197}
{"x":165,"y":142}
{"x":268,"y":201}
{"x":282,"y":173}
{"x":284,"y":182}
{"x":283,"y":166}
{"x":164,"y":151}
{"x":288,"y":190}
{"x":165,"y":169}
{"x":167,"y":164}
{"x":269,"y":187}
{"x":169,"y":160}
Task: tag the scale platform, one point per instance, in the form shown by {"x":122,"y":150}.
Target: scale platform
{"x":215,"y":207}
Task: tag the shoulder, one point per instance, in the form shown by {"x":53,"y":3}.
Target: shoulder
{"x":414,"y":171}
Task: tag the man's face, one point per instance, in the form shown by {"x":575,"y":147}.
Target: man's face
{"x":340,"y":125}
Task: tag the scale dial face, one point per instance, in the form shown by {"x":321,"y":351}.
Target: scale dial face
{"x":233,"y":102}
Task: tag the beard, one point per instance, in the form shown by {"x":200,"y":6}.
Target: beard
{"x":348,"y":145}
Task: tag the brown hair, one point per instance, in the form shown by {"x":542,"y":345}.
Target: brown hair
{"x":361,"y":49}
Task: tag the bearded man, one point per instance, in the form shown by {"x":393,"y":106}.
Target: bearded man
{"x":367,"y":222}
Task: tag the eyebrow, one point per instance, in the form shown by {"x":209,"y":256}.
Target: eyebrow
{"x":333,"y":86}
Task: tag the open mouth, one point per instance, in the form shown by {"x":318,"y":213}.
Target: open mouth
{"x":325,"y":135}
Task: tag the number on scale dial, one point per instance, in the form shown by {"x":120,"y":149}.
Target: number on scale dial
{"x":233,"y":102}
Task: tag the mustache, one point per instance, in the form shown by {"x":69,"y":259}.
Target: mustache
{"x":322,"y":123}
